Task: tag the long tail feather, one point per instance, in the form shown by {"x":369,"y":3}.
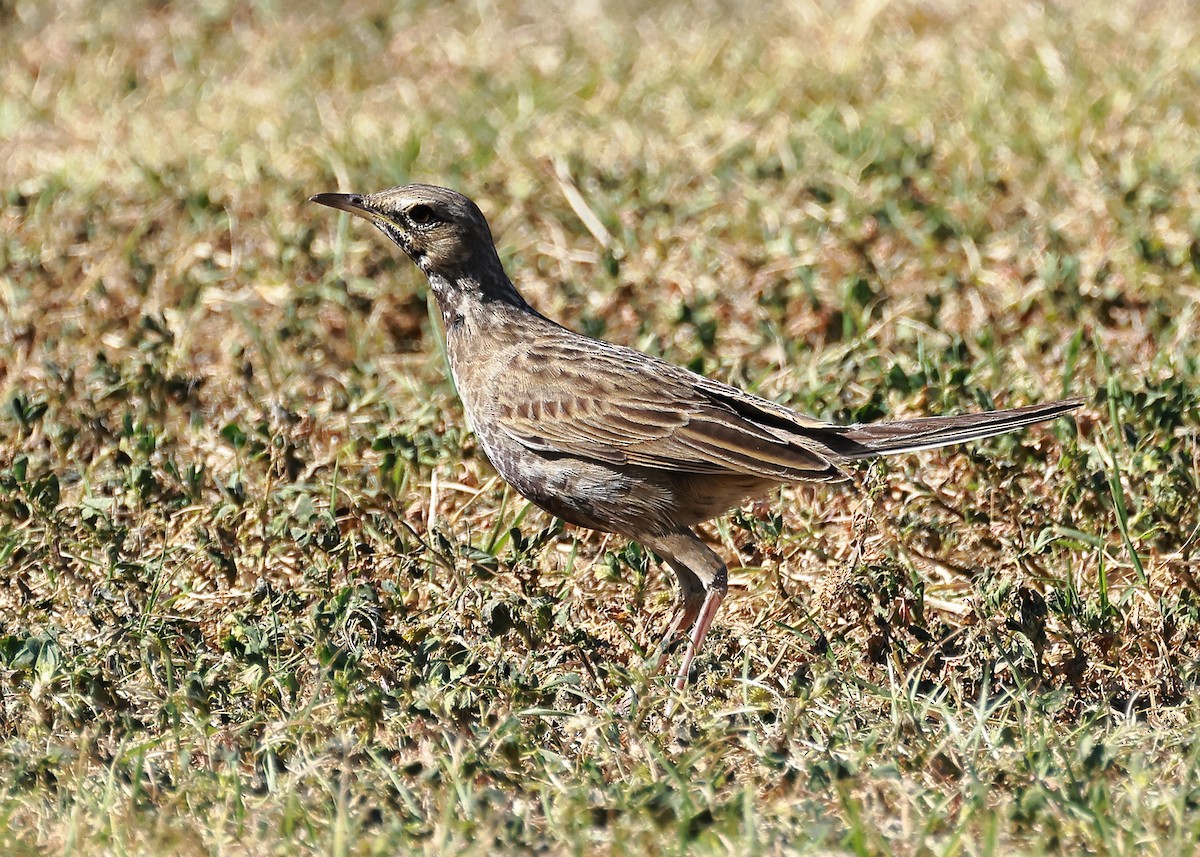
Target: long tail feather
{"x":890,"y":438}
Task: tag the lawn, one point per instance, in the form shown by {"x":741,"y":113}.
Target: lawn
{"x":264,"y":594}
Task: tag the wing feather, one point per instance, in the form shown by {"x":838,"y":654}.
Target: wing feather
{"x":618,"y":406}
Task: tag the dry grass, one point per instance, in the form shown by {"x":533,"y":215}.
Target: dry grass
{"x":266,"y":596}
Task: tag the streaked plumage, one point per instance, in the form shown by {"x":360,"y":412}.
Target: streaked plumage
{"x":609,"y":438}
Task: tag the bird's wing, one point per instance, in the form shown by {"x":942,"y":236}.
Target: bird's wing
{"x":603,"y":402}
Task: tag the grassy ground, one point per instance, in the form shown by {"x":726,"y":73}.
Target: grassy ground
{"x":264,"y":594}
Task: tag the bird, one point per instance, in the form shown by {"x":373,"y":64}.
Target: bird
{"x":606,"y":437}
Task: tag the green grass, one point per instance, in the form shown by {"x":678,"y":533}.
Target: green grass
{"x":265,"y":595}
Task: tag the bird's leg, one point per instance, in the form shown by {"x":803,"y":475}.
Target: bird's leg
{"x":687,"y":608}
{"x":703,"y":582}
{"x":714,"y":595}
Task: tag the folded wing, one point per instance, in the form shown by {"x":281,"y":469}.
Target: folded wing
{"x":611,"y":404}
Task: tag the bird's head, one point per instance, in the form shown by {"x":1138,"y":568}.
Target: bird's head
{"x":441,"y":230}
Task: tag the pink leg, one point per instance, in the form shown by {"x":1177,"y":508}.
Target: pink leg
{"x":712,"y":603}
{"x":685,"y":614}
{"x":687,"y":608}
{"x":703,"y":582}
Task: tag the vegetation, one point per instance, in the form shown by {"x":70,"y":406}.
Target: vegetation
{"x":265,"y":595}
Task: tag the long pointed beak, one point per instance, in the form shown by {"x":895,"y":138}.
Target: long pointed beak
{"x":351,"y":202}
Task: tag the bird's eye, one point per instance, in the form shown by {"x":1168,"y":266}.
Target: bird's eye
{"x":421,"y":215}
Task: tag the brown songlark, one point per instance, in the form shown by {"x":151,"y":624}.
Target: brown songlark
{"x":609,"y":438}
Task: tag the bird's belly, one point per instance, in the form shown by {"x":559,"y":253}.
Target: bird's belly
{"x":586,"y":493}
{"x":581,"y":492}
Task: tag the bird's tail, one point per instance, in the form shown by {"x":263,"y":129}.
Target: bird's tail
{"x":889,"y":438}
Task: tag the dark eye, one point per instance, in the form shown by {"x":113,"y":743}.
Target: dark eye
{"x":421,"y":215}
